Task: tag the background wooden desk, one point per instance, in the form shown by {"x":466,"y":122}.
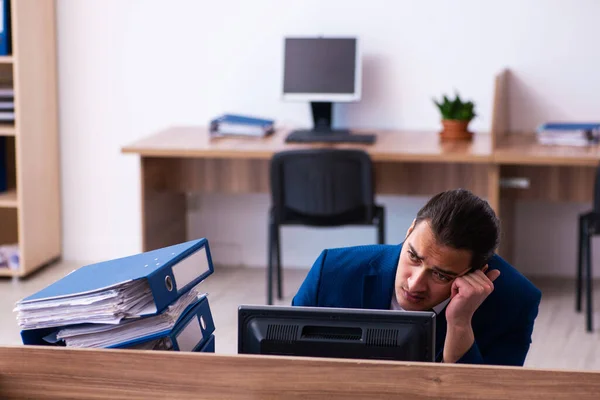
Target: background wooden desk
{"x":59,"y":373}
{"x":554,"y":174}
{"x":181,"y":160}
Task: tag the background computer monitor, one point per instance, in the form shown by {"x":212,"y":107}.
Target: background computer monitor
{"x":322,"y":71}
{"x":337,"y":333}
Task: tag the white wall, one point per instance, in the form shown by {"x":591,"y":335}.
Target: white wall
{"x":129,"y":68}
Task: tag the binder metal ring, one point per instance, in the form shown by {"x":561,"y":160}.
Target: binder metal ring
{"x":169,"y":283}
{"x":202,"y":323}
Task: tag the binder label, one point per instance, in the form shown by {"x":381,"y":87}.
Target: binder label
{"x":190,"y":336}
{"x":190,"y":268}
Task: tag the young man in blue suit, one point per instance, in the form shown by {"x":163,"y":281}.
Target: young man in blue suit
{"x":485,"y":308}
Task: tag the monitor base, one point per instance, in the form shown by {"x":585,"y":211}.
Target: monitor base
{"x":329,"y":136}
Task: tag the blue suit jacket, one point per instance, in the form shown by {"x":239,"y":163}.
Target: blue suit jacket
{"x":363,"y":277}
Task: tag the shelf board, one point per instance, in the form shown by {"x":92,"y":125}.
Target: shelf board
{"x":6,"y":59}
{"x":9,"y":199}
{"x":5,"y":271}
{"x":7,"y":130}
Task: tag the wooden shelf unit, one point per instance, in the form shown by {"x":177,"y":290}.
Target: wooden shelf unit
{"x":30,"y":209}
{"x":7,"y":130}
{"x":8,"y":199}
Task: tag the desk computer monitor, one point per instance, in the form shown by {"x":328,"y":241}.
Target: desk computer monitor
{"x":322,"y":71}
{"x":337,"y":333}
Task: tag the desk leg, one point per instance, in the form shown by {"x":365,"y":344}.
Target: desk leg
{"x":494,"y":187}
{"x":507,"y":224}
{"x":164,"y":211}
{"x":504,"y":206}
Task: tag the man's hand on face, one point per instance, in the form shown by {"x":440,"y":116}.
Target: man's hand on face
{"x":467,"y":294}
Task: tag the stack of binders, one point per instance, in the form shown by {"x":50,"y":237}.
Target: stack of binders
{"x":569,"y":134}
{"x":148,"y":301}
{"x":7,"y":105}
{"x":240,"y":125}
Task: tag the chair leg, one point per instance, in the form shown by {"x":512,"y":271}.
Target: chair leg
{"x":276,"y":233}
{"x":580,"y":246}
{"x":270,"y":248}
{"x":589,"y":280}
{"x":381,"y":228}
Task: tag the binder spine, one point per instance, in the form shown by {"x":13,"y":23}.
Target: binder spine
{"x":192,"y":269}
{"x":184,"y":273}
{"x":208,"y":346}
{"x":189,"y":337}
{"x":196,"y":331}
{"x":163,"y":289}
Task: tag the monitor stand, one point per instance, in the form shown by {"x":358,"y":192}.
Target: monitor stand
{"x":322,"y":131}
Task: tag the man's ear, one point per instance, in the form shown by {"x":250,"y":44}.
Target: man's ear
{"x":410,"y":229}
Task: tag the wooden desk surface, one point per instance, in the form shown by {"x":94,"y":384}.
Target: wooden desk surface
{"x":523,"y":149}
{"x":59,"y":373}
{"x":389,"y":146}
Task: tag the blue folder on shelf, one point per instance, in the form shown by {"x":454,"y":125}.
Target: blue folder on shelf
{"x":243,"y":120}
{"x":5,"y":28}
{"x":569,"y":126}
{"x":129,"y":287}
{"x":241,"y":125}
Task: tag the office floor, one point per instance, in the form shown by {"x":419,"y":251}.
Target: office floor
{"x":559,"y":342}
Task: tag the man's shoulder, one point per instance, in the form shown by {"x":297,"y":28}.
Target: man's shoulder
{"x":513,"y":283}
{"x":514,"y":299}
{"x":342,"y":272}
{"x":511,"y":306}
{"x":361,"y":255}
{"x":363,"y":250}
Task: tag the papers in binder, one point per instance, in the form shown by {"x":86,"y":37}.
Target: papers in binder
{"x":158,"y":344}
{"x":95,"y":335}
{"x":103,"y":306}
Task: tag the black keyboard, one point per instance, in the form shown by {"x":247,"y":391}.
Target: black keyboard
{"x":330,"y":137}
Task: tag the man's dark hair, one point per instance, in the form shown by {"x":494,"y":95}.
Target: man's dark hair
{"x":461,"y":220}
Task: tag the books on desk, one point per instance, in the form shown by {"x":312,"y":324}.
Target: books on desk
{"x":146,"y":301}
{"x":569,"y":134}
{"x":240,"y":125}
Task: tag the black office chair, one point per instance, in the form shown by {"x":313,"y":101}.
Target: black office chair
{"x":319,"y":187}
{"x":589,"y":225}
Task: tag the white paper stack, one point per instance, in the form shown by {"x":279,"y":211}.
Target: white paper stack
{"x":105,"y":306}
{"x":106,"y":335}
{"x":568,"y":134}
{"x":9,"y":255}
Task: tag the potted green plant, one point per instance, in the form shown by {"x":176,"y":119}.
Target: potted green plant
{"x":456,"y":116}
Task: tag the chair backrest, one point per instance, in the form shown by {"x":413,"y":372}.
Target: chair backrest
{"x":322,"y":182}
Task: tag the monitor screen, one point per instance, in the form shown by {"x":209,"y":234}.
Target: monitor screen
{"x":326,"y":69}
{"x":337,"y":333}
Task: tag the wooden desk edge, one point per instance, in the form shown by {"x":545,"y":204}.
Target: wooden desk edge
{"x":11,"y":350}
{"x":502,"y":154}
{"x":45,"y":372}
{"x":238,"y":155}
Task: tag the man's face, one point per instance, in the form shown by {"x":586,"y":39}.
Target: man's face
{"x":426,"y":269}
